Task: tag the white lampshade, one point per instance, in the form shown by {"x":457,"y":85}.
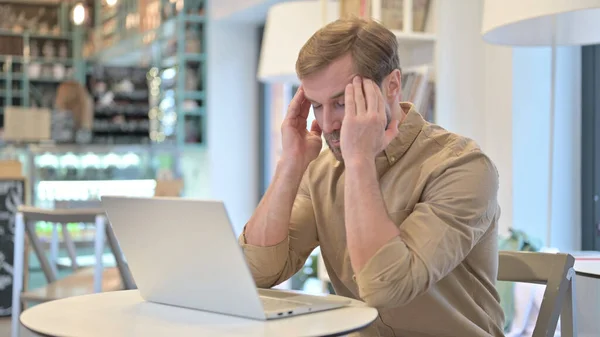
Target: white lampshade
{"x":289,"y":25}
{"x":530,"y":22}
{"x":550,"y":23}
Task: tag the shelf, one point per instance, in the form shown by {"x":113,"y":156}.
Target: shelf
{"x":194,"y":18}
{"x":48,"y":79}
{"x":66,"y":61}
{"x":127,"y":111}
{"x":139,"y":48}
{"x":177,"y":45}
{"x":14,"y":76}
{"x":53,"y":34}
{"x":200,"y":111}
{"x":58,"y":149}
{"x":194,"y":95}
{"x":191,"y":147}
{"x":137,"y":95}
{"x":195,"y":57}
{"x":173,"y":60}
{"x":81,"y":189}
{"x":117,"y":130}
{"x":12,"y":58}
{"x":35,"y":35}
{"x":20,"y":77}
{"x":414,"y":38}
{"x":22,"y":59}
{"x":15,"y":93}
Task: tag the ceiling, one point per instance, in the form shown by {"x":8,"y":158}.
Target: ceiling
{"x":243,"y":11}
{"x":43,"y":2}
{"x":36,"y":2}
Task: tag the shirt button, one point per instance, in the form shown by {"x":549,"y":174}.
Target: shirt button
{"x":392,"y":159}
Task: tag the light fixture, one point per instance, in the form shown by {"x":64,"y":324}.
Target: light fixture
{"x":540,"y":23}
{"x":78,"y":14}
{"x":111,"y":3}
{"x":543,"y":23}
{"x":288,"y":26}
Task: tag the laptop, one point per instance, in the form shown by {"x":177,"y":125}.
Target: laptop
{"x":184,"y":252}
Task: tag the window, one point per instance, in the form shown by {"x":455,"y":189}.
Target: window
{"x":590,"y":156}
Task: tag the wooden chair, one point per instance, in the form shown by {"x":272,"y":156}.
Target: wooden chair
{"x":554,"y":270}
{"x":82,"y":281}
{"x":557,"y":273}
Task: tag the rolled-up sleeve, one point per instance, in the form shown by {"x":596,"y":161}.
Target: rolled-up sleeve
{"x":458,"y":205}
{"x":272,"y":265}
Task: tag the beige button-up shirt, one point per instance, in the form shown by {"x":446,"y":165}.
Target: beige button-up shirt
{"x":437,"y":278}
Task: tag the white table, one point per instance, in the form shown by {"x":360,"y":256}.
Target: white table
{"x":125,"y":313}
{"x":587,"y":290}
{"x":588,"y":265}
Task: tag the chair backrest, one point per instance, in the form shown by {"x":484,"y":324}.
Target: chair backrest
{"x":61,"y":215}
{"x":557,"y":273}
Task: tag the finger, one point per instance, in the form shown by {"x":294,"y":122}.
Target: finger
{"x":380,"y":100}
{"x":381,"y":113}
{"x":304,"y":109}
{"x":349,"y":105}
{"x":315,"y":129}
{"x":297,"y":103}
{"x":392,"y":131}
{"x":371,"y":97}
{"x":359,"y":96}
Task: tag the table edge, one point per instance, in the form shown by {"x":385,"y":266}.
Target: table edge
{"x":338,"y":334}
{"x":351,"y":330}
{"x":585,"y":274}
{"x":32,"y":331}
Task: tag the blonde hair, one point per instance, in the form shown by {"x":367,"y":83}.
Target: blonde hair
{"x":374,"y":48}
{"x":74,"y":97}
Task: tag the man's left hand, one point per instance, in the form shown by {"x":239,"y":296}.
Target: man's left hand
{"x":363,"y":133}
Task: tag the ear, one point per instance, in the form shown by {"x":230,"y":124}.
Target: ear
{"x":393,"y":85}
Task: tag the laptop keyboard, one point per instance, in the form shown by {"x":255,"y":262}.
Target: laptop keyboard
{"x":274,"y":304}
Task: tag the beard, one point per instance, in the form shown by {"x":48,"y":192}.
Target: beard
{"x":335,"y":149}
{"x":334,"y":136}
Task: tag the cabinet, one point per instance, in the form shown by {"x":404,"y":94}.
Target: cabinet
{"x":61,"y":176}
{"x":414,"y":24}
{"x":121,"y":99}
{"x":39,"y":48}
{"x":182,"y":69}
{"x":168,"y":39}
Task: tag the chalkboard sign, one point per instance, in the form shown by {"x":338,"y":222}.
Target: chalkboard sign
{"x":12,"y":194}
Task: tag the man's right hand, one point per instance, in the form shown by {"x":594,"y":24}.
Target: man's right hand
{"x":269,"y":224}
{"x":300,"y":146}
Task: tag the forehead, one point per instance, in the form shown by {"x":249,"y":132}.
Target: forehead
{"x":331,"y":80}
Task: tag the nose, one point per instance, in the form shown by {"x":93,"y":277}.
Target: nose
{"x":330,"y":120}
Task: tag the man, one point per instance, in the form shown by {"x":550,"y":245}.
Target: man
{"x":405,"y":212}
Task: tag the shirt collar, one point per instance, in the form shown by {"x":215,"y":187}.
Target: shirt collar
{"x":407,"y":133}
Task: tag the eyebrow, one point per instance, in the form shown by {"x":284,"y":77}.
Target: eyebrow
{"x":334,"y":96}
{"x":338,"y":95}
